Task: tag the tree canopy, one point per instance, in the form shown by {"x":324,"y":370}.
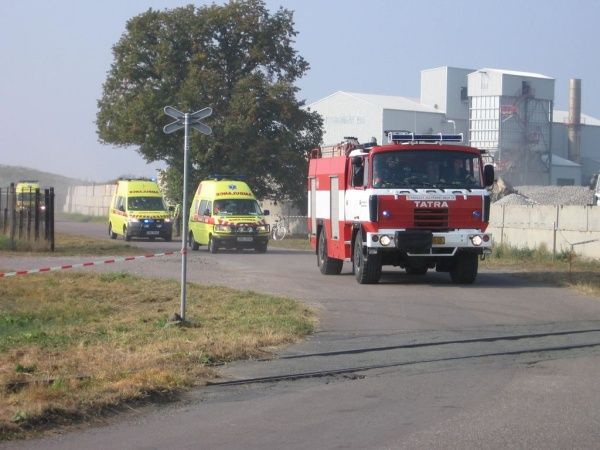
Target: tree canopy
{"x":236,"y":58}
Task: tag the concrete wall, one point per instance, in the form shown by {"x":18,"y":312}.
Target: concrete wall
{"x":556,"y":227}
{"x":89,"y":200}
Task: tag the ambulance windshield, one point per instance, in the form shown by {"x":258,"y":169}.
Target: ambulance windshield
{"x":145,"y":204}
{"x":237,"y":207}
{"x":420,"y":169}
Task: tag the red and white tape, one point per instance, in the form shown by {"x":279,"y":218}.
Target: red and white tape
{"x":85,"y":264}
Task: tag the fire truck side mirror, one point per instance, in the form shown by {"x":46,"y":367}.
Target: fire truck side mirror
{"x":488,"y":175}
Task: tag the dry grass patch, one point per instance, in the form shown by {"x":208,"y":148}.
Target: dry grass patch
{"x":72,"y":344}
{"x":293,"y":242}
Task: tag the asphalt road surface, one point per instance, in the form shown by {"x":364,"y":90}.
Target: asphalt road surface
{"x":413,"y":362}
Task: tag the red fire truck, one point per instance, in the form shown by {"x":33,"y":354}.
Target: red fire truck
{"x":419,"y":202}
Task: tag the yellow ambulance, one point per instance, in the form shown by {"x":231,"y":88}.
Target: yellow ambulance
{"x":138,"y":209}
{"x":25,"y":190}
{"x":225,"y":214}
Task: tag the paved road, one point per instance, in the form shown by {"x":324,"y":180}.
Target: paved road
{"x":413,"y":362}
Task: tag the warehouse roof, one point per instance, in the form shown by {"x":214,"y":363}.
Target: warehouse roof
{"x":385,"y":102}
{"x":563,"y":117}
{"x":515,"y":73}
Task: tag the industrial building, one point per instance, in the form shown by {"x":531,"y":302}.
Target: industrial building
{"x":508,"y":113}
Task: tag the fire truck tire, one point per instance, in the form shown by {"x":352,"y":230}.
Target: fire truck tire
{"x":192,"y":242}
{"x":465,"y":269}
{"x":327,"y":265}
{"x":366,"y":270}
{"x":212,"y":246}
{"x":111,"y":233}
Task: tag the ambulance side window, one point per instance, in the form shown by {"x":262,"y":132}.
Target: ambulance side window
{"x":120,"y":204}
{"x":202,"y":208}
{"x":195,"y":207}
{"x":209,"y":208}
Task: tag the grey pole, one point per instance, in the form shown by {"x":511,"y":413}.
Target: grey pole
{"x":184,"y":231}
{"x":185,"y":121}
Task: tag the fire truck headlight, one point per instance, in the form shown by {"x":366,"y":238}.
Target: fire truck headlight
{"x":476,"y":240}
{"x":385,"y":240}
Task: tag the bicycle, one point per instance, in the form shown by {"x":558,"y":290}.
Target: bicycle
{"x":280,"y":229}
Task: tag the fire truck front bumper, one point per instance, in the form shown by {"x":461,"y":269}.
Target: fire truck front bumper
{"x":428,"y":243}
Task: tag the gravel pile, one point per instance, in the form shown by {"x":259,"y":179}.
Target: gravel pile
{"x":515,"y":199}
{"x":557,"y":195}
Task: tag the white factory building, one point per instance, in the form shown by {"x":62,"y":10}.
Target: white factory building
{"x":510,"y":114}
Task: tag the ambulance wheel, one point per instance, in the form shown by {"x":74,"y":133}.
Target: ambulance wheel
{"x":261,"y":248}
{"x":126,"y":235}
{"x":367,"y":270}
{"x":212,"y":246}
{"x":192,"y":242}
{"x":111,"y":233}
{"x":327,"y":265}
{"x":465,"y":268}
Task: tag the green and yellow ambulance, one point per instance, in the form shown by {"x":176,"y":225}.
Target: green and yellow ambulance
{"x":138,"y":209}
{"x":225,"y":214}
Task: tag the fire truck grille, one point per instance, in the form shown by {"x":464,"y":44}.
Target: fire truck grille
{"x":431,"y":218}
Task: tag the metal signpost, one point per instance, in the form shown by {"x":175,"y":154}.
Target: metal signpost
{"x":186,"y":120}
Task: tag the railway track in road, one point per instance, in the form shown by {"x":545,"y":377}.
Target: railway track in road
{"x":525,"y":348}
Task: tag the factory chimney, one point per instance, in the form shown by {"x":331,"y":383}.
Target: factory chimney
{"x":574,"y":124}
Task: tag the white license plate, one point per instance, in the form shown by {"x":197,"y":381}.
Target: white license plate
{"x":244,"y":239}
{"x":151,"y":233}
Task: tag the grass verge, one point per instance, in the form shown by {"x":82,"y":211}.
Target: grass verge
{"x":81,"y":218}
{"x":75,"y":344}
{"x":563,"y":269}
{"x":293,"y":242}
{"x":69,"y":245}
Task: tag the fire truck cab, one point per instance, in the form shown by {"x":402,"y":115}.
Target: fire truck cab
{"x":419,"y":202}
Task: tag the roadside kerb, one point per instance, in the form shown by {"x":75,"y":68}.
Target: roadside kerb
{"x":85,"y":264}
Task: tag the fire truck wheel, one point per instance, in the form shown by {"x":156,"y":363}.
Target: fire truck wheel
{"x":327,"y":265}
{"x":111,"y":233}
{"x":366,"y":270}
{"x":465,"y":269}
{"x":212,"y":246}
{"x":192,"y":242}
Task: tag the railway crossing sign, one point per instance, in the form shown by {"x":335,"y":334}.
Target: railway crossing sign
{"x":185,"y":121}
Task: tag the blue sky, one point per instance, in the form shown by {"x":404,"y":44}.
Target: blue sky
{"x":55,"y":56}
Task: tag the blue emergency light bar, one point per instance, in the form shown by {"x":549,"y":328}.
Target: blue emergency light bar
{"x":398,"y":137}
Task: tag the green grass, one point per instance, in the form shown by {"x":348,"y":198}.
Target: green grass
{"x":81,"y":218}
{"x":293,"y":242}
{"x":69,"y":245}
{"x":73,"y":344}
{"x":563,"y":269}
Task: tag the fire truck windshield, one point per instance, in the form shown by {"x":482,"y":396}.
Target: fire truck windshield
{"x":416,"y":169}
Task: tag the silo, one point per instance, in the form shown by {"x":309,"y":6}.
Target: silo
{"x":574,"y":125}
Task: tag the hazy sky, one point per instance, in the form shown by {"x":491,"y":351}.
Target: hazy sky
{"x":55,"y":56}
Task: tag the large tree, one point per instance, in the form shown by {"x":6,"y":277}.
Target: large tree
{"x":237,"y":58}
